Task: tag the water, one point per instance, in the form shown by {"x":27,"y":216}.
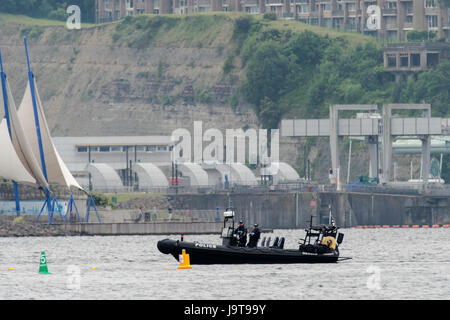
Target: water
{"x":386,"y":264}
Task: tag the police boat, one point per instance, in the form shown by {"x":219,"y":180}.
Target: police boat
{"x":320,"y":245}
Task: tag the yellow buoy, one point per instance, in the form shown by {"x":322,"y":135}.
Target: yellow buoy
{"x":184,"y":260}
{"x":11,"y":269}
{"x":166,"y":268}
{"x":93,"y":268}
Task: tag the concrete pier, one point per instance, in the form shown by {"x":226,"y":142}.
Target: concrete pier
{"x":293,"y":210}
{"x":153,"y":228}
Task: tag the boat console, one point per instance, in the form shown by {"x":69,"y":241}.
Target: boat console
{"x":228,"y":237}
{"x":321,"y":239}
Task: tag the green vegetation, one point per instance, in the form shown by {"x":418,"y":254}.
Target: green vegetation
{"x":418,"y":36}
{"x":51,"y":9}
{"x":100,"y":199}
{"x":302,"y":73}
{"x":270,"y":16}
{"x":200,"y":30}
{"x":228,"y":65}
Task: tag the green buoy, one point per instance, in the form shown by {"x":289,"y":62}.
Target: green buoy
{"x":43,"y":264}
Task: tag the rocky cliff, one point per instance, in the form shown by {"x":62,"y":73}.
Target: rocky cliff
{"x":146,"y":76}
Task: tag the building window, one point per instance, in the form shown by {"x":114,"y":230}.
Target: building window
{"x":432,"y":59}
{"x":140,"y":148}
{"x":391,"y":60}
{"x":252,"y":10}
{"x":82,"y":149}
{"x":326,"y":7}
{"x":129,"y":4}
{"x":93,"y":149}
{"x":116,"y":148}
{"x":404,"y":60}
{"x":303,"y":8}
{"x":408,"y":7}
{"x":409,"y":19}
{"x":104,"y":149}
{"x":392,"y":5}
{"x":430,"y":3}
{"x":162,"y":148}
{"x":415,"y":59}
{"x":151,"y":148}
{"x":351,"y":7}
{"x":106,"y":4}
{"x":432,"y":21}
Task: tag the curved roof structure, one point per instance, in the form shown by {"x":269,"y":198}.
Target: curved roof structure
{"x":150,"y":176}
{"x":194,"y":171}
{"x":282,"y":171}
{"x":240,"y":174}
{"x":104,"y":177}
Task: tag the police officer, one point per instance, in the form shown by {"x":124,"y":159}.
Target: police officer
{"x":241,"y":234}
{"x":254,"y":236}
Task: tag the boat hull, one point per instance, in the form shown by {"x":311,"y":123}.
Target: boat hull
{"x":216,"y":254}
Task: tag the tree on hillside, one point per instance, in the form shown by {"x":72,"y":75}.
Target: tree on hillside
{"x":433,"y":87}
{"x":266,"y":74}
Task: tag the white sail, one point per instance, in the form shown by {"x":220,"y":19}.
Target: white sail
{"x":21,"y":145}
{"x":55,"y":167}
{"x":10,"y":165}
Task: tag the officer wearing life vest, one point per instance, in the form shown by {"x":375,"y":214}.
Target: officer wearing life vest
{"x":254,"y":236}
{"x":241,"y":234}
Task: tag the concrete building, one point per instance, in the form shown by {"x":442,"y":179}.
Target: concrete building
{"x":396,"y":17}
{"x":114,"y":163}
{"x":144,"y":163}
{"x":403,"y":59}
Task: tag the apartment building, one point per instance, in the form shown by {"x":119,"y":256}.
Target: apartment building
{"x":407,"y":58}
{"x":394,"y":18}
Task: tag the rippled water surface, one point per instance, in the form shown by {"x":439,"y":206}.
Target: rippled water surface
{"x":386,"y":264}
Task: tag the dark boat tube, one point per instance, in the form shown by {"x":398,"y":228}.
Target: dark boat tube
{"x":201,"y":253}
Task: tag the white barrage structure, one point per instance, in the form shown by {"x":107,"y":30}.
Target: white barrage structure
{"x":379,"y":131}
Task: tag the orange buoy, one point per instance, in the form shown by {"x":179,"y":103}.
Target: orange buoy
{"x":184,"y":260}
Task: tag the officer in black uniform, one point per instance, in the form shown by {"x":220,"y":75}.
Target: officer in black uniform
{"x":241,"y":234}
{"x":254,"y":236}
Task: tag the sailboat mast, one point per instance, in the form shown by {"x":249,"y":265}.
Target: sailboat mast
{"x":5,"y":102}
{"x":38,"y":133}
{"x":36,"y":115}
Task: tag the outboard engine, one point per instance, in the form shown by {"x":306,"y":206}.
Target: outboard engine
{"x":268,"y":242}
{"x":281,"y":244}
{"x":263,"y":242}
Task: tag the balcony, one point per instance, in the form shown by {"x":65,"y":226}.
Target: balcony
{"x":388,"y":12}
{"x":274,"y":3}
{"x":391,"y":26}
{"x":338,"y":13}
{"x":408,"y":25}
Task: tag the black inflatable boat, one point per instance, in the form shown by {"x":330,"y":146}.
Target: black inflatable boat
{"x":321,"y":245}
